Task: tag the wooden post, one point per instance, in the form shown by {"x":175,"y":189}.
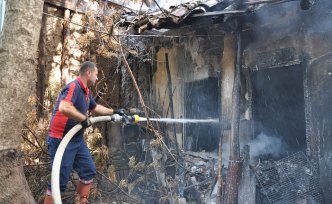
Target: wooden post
{"x":219,"y":181}
{"x":40,"y":86}
{"x":65,"y":49}
{"x":170,"y":94}
{"x":234,"y":167}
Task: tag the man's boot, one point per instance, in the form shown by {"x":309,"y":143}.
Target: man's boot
{"x":83,"y":191}
{"x":48,"y":199}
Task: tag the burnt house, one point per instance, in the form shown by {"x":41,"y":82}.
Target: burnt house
{"x":282,"y":51}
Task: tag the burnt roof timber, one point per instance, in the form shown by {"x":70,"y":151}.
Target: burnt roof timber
{"x":267,"y":1}
{"x":216,"y":13}
{"x":79,"y":8}
{"x":160,"y":8}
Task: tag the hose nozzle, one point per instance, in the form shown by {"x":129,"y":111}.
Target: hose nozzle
{"x":127,"y":119}
{"x":133,"y":119}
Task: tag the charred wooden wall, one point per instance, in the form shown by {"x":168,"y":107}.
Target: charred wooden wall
{"x":281,"y":40}
{"x":190,"y":59}
{"x":286,"y":37}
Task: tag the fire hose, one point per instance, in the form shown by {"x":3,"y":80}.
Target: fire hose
{"x":55,"y":177}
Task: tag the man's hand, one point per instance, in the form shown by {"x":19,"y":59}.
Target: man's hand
{"x":120,"y":111}
{"x":86,"y":123}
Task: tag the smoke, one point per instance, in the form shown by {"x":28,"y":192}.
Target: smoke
{"x":319,"y":17}
{"x":262,"y":145}
{"x":266,"y":145}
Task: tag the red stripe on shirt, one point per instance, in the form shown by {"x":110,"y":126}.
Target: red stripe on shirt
{"x":70,"y":92}
{"x":59,"y":121}
{"x":57,"y":128}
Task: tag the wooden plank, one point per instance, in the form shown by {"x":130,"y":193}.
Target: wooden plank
{"x":65,"y":49}
{"x":79,"y":8}
{"x":41,"y":66}
{"x":216,"y":13}
{"x":66,"y":4}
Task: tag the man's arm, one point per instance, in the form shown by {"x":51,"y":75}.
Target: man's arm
{"x":102,"y":110}
{"x":71,"y":112}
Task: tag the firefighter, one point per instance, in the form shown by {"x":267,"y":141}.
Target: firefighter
{"x":71,"y":108}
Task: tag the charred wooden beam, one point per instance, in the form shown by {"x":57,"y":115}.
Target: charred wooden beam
{"x":247,"y":187}
{"x":65,"y":48}
{"x":267,"y":1}
{"x":234,"y":139}
{"x":40,"y":86}
{"x":170,"y":94}
{"x":181,"y":172}
{"x":219,"y":180}
{"x":70,"y":5}
{"x":80,"y":8}
{"x":234,"y":167}
{"x":160,"y":8}
{"x":217,"y":13}
{"x":305,"y":4}
{"x":232,"y":183}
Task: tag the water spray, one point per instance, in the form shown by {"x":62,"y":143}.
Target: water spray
{"x":181,"y":120}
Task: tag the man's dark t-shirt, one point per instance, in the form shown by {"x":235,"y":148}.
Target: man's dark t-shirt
{"x":80,"y":97}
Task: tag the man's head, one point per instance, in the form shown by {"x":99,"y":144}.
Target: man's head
{"x":89,"y":71}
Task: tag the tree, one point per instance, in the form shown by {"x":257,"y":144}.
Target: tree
{"x":18,"y":48}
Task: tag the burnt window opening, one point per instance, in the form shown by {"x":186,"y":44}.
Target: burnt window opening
{"x":278,"y":106}
{"x":201,"y":101}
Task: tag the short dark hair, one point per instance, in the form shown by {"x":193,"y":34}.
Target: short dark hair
{"x":87,"y":65}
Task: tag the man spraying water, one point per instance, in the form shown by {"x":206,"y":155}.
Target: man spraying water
{"x":71,"y":108}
